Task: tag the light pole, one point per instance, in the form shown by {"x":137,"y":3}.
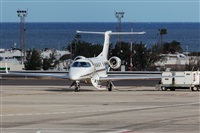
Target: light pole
{"x":187,"y":60}
{"x":119,"y":15}
{"x":131,"y":49}
{"x":22,"y":14}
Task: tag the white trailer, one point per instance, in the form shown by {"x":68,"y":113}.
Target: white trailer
{"x":180,"y":80}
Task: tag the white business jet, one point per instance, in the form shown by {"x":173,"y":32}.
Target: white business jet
{"x":94,"y":70}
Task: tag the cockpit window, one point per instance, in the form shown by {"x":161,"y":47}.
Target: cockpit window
{"x":81,"y":64}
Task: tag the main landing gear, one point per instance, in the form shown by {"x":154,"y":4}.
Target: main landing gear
{"x":110,"y":86}
{"x":76,"y":85}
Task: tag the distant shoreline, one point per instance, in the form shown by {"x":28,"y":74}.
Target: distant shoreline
{"x":103,"y":22}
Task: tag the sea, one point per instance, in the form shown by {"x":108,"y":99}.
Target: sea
{"x":59,"y":35}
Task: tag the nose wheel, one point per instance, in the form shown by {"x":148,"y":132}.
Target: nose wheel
{"x":76,"y":85}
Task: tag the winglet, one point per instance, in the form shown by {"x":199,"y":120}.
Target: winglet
{"x":6,"y":68}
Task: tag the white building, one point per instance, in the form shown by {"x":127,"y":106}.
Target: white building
{"x":175,"y":61}
{"x":12,"y":58}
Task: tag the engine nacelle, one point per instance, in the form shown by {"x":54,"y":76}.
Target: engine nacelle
{"x":114,"y":62}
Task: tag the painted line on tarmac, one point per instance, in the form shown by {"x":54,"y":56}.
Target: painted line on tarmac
{"x":118,"y":131}
{"x":122,"y":131}
{"x":95,"y":111}
{"x":63,"y":130}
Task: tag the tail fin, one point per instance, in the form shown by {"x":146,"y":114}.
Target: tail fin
{"x":104,"y":53}
{"x":107,"y":35}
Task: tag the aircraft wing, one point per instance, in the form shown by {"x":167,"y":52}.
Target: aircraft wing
{"x":54,"y":75}
{"x":132,"y":77}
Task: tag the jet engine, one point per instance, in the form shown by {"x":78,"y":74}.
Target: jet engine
{"x":114,"y":62}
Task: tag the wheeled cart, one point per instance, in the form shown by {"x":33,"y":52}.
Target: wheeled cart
{"x":180,"y":80}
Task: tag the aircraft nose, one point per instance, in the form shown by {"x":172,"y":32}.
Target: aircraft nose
{"x":73,"y":74}
{"x":73,"y":77}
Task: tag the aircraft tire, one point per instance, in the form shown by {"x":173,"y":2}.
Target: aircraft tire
{"x":163,"y":88}
{"x":192,"y":88}
{"x":195,"y":88}
{"x":110,"y":87}
{"x":76,"y":89}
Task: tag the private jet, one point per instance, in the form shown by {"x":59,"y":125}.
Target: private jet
{"x":94,"y":70}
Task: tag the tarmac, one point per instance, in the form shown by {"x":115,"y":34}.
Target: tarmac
{"x":127,"y":109}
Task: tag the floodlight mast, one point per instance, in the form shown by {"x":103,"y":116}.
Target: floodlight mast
{"x":131,"y":50}
{"x":22,"y":14}
{"x":119,"y":16}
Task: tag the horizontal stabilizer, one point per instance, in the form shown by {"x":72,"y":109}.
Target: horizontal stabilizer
{"x":90,"y":32}
{"x":112,"y":33}
{"x":127,"y":33}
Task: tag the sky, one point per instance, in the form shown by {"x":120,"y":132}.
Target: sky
{"x":101,"y":10}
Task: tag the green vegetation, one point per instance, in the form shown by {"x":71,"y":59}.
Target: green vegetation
{"x":194,"y":64}
{"x":33,"y":60}
{"x":162,"y":32}
{"x":194,"y":54}
{"x":49,"y":63}
{"x":80,"y":47}
{"x":123,"y":53}
{"x":172,"y":47}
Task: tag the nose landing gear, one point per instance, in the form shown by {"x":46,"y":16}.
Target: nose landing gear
{"x":76,"y":85}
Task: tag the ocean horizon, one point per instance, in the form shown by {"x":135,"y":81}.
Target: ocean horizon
{"x":58,"y":35}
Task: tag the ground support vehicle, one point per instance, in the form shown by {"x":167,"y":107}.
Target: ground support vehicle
{"x":180,"y":80}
